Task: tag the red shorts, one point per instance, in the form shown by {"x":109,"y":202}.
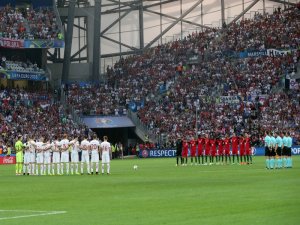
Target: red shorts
{"x":193,"y":153}
{"x":213,"y":153}
{"x":200,"y":152}
{"x":227,"y":152}
{"x":242,"y":153}
{"x":248,"y":152}
{"x":184,"y":153}
{"x":207,"y":152}
{"x":234,"y":151}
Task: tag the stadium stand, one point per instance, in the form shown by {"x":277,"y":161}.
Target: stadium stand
{"x":28,"y":23}
{"x":171,"y":87}
{"x":20,"y":66}
{"x":23,"y":112}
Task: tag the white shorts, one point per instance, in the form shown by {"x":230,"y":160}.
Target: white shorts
{"x":47,"y":158}
{"x":27,"y":157}
{"x":64,"y":157}
{"x":85,"y":157}
{"x":95,"y":157}
{"x":105,"y":157}
{"x":32,"y":157}
{"x":74,"y":157}
{"x":40,"y":157}
{"x":56,"y":157}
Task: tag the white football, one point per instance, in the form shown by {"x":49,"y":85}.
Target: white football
{"x":135,"y":167}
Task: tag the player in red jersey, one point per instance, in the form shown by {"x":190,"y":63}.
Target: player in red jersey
{"x":207,"y":147}
{"x":227,"y":149}
{"x":242,"y":150}
{"x":248,"y":148}
{"x":185,"y":150}
{"x":220,"y":143}
{"x":200,"y":149}
{"x":193,"y":143}
{"x":235,"y":144}
{"x":213,"y":150}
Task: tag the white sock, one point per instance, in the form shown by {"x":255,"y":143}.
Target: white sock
{"x":49,"y":168}
{"x":108,"y":167}
{"x":68,"y":167}
{"x":29,"y":168}
{"x":53,"y":168}
{"x":81,"y":168}
{"x":97,"y":167}
{"x":62,"y":168}
{"x":37,"y":169}
{"x":32,"y":168}
{"x":41,"y":169}
{"x":58,"y":168}
{"x":88,"y":167}
{"x":72,"y":168}
{"x":76,"y":166}
{"x":102,"y":167}
{"x":92,"y":167}
{"x":24,"y":168}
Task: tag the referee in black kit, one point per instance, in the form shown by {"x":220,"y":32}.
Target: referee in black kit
{"x":178,"y":150}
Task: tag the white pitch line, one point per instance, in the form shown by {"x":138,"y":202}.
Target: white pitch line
{"x":41,"y":213}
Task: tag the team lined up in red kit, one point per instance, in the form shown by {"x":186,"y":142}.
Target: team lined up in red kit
{"x":221,"y":150}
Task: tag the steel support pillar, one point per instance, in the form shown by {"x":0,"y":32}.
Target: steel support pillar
{"x":141,"y":24}
{"x":96,"y":48}
{"x":68,"y":42}
{"x":223,"y":13}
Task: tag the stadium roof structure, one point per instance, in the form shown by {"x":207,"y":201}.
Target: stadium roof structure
{"x":97,"y":31}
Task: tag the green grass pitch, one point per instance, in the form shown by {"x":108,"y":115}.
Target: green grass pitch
{"x":157,"y":193}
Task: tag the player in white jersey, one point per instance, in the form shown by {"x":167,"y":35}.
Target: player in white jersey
{"x":32,"y":146}
{"x":75,"y":158}
{"x":47,"y":157}
{"x":56,"y":156}
{"x":95,"y":144}
{"x":105,"y":150}
{"x":39,"y":156}
{"x":64,"y":147}
{"x":85,"y":158}
{"x":27,"y":158}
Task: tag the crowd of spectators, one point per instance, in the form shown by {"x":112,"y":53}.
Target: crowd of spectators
{"x":96,"y":100}
{"x":28,"y":23}
{"x":257,"y":104}
{"x":19,"y":65}
{"x":175,"y":112}
{"x":34,"y":114}
{"x":219,"y":94}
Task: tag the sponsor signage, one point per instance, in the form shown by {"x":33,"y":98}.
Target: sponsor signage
{"x":14,"y":43}
{"x":108,"y":121}
{"x":4,"y":160}
{"x":167,"y":153}
{"x":266,"y":52}
{"x":16,"y":75}
{"x":157,"y":153}
{"x":11,"y":43}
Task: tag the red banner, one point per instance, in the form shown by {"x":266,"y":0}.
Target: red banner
{"x":11,"y":43}
{"x":7,"y":160}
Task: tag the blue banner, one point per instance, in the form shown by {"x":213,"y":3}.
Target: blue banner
{"x":108,"y":121}
{"x":44,"y":44}
{"x":167,"y":153}
{"x":16,"y":75}
{"x":157,"y":153}
{"x":136,"y":105}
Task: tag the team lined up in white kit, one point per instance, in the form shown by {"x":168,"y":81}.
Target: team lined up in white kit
{"x":38,"y":160}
